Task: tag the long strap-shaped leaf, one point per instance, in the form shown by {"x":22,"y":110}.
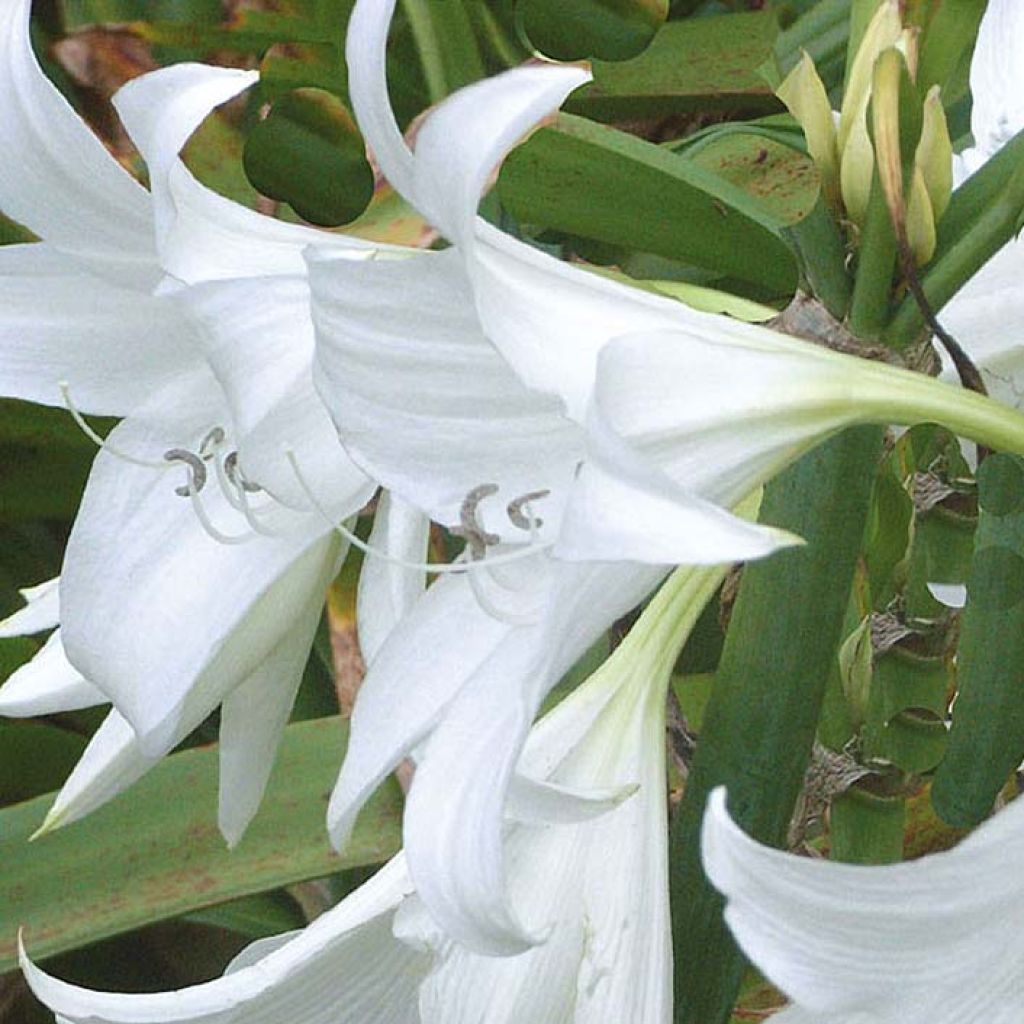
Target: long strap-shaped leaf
{"x":155,"y":852}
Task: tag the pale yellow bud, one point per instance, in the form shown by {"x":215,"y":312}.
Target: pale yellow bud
{"x":804,"y":94}
{"x":856,"y":171}
{"x":883,"y":31}
{"x":920,"y":221}
{"x":934,"y":157}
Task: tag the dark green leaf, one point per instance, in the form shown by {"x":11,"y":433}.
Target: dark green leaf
{"x":610,"y":30}
{"x":308,"y":153}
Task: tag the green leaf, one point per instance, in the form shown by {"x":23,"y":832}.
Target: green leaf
{"x":156,"y":853}
{"x":447,"y":46}
{"x":701,"y":64}
{"x":308,"y":153}
{"x":611,"y":30}
{"x":940,"y":553}
{"x":599,"y":183}
{"x":760,"y":723}
{"x":986,"y":741}
{"x":35,"y":757}
{"x":256,"y":917}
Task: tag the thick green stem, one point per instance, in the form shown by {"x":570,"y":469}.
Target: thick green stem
{"x":764,"y":709}
{"x":876,"y":262}
{"x":822,"y":258}
{"x":446,"y":44}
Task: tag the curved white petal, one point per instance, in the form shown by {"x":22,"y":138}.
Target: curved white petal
{"x":202,"y":235}
{"x":41,"y":611}
{"x":415,"y":675}
{"x":932,"y":940}
{"x":111,"y":763}
{"x":534,"y":802}
{"x":460,"y":143}
{"x":258,"y":339}
{"x":365,"y":56}
{"x":111,"y":344}
{"x":58,"y":179}
{"x":344,"y":968}
{"x":252,"y":719}
{"x":454,"y":810}
{"x":997,"y":80}
{"x":47,"y":684}
{"x":987,"y":317}
{"x":387,"y":591}
{"x":155,"y":612}
{"x":952,"y":595}
{"x":421,"y":399}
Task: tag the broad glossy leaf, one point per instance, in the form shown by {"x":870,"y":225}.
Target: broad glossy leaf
{"x":699,"y":64}
{"x":593,"y":181}
{"x":155,"y":852}
{"x":308,"y":153}
{"x":986,"y":741}
{"x":610,"y":30}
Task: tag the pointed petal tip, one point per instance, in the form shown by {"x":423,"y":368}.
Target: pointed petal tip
{"x":55,"y":819}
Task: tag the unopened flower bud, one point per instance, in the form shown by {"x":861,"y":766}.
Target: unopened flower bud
{"x":934,"y":158}
{"x":804,"y":95}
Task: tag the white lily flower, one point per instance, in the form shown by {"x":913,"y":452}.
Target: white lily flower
{"x":572,"y":335}
{"x":931,"y":941}
{"x":146,"y":305}
{"x":987,"y":315}
{"x":595,"y":883}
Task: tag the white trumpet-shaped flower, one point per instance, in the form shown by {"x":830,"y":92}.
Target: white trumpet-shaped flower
{"x":931,"y":941}
{"x":197,"y":565}
{"x":987,"y":315}
{"x":595,"y":883}
{"x":655,"y":496}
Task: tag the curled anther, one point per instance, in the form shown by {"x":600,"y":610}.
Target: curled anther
{"x":211,"y":442}
{"x":478,"y":539}
{"x":196,"y":467}
{"x":520,"y":514}
{"x":236,"y":476}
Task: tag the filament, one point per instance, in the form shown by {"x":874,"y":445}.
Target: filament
{"x":100,"y":442}
{"x":207,"y":523}
{"x":439,"y":568}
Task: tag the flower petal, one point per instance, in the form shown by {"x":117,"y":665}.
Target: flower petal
{"x":535,"y":802}
{"x":393,"y":375}
{"x":997,"y":84}
{"x":926,"y":940}
{"x":365,"y":56}
{"x":258,"y":339}
{"x":202,"y":235}
{"x":252,"y":719}
{"x":110,"y":344}
{"x":387,"y":592}
{"x":41,"y":611}
{"x":157,"y":613}
{"x":442,"y":640}
{"x":58,"y":179}
{"x":111,"y":763}
{"x":455,"y":808}
{"x":344,"y":968}
{"x":47,"y":684}
{"x":987,"y":317}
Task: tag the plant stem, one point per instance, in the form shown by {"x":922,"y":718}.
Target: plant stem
{"x":759,"y":727}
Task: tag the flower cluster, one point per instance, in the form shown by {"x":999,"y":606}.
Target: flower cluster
{"x":583,"y":436}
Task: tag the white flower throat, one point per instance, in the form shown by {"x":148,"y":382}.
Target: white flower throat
{"x":503,"y":600}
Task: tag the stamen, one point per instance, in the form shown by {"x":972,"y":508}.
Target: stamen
{"x":207,"y":524}
{"x":196,"y":467}
{"x":514,"y":617}
{"x":100,"y":442}
{"x":251,"y":514}
{"x":437,"y":568}
{"x":236,"y":476}
{"x":209,"y":444}
{"x":518,"y":506}
{"x":476,"y":537}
